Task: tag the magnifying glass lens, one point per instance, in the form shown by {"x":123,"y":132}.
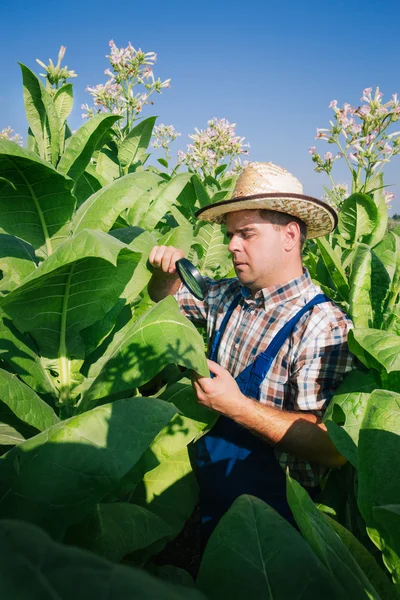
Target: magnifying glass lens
{"x":191,"y":278}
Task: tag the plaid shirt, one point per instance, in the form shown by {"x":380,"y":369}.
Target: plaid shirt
{"x":310,"y":364}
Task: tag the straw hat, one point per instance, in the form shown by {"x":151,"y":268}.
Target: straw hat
{"x":266,"y":186}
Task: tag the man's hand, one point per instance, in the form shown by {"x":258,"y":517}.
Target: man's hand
{"x":221,"y":393}
{"x":164,"y":258}
{"x":165,"y":279}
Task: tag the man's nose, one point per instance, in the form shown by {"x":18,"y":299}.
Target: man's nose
{"x":234,"y":244}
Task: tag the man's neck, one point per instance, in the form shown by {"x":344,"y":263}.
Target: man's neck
{"x":279,"y":278}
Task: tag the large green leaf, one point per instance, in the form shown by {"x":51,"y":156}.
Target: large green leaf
{"x":133,"y":216}
{"x":134,"y":146}
{"x":383,"y":347}
{"x":184,"y":427}
{"x":25,"y":403}
{"x":385,"y":274}
{"x":142,"y":242}
{"x":107,"y":163}
{"x":254,"y":552}
{"x":53,"y":571}
{"x":346,"y":411}
{"x":327,"y":545}
{"x":179,"y":237}
{"x":142,"y":348}
{"x":42,"y":202}
{"x":18,"y":351}
{"x":17,"y":261}
{"x":358,"y":217}
{"x":78,"y":462}
{"x":366,"y":561}
{"x":334,"y":266}
{"x":102,"y":208}
{"x":388,"y":517}
{"x":95,"y":334}
{"x":376,"y":189}
{"x":31,"y":143}
{"x":182,"y":395}
{"x":215,"y":257}
{"x":166,"y":198}
{"x":12,"y":430}
{"x":360,"y":288}
{"x":75,"y":287}
{"x":170,"y":491}
{"x":88,"y":183}
{"x":64,"y":101}
{"x":83,"y":143}
{"x":186,"y":204}
{"x":42,"y":115}
{"x":201,"y":192}
{"x":112,"y":530}
{"x":378,"y":458}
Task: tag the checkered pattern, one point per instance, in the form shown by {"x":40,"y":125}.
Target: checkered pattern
{"x":310,"y":364}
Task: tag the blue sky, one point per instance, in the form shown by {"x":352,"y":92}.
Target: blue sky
{"x":270,"y":67}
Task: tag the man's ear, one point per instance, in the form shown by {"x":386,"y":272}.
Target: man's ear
{"x":292,"y":236}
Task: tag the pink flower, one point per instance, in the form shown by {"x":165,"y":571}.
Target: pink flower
{"x":366,"y":97}
{"x":382,"y":111}
{"x":312,"y":150}
{"x":333,"y":104}
{"x":347,"y":108}
{"x":389,"y":196}
{"x":355,"y":128}
{"x":364,"y":110}
{"x":328,"y":156}
{"x":387,"y":149}
{"x":353,"y":157}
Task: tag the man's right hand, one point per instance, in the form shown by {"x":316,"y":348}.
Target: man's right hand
{"x":165,"y":279}
{"x":164,"y":258}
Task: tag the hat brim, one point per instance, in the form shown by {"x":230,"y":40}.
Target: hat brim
{"x":320,"y":218}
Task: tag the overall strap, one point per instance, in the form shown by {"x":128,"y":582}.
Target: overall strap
{"x":218,"y":334}
{"x":254,"y":374}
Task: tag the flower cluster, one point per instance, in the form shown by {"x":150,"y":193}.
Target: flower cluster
{"x":212,"y":147}
{"x":129,"y":68}
{"x":55,"y":74}
{"x":163,"y":136}
{"x":362,"y":136}
{"x":8,"y":134}
{"x":237,"y":167}
{"x":336,"y":196}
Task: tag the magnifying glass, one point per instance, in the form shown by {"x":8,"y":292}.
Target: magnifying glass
{"x":191,"y":278}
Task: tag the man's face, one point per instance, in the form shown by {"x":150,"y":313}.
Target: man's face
{"x":257,"y":248}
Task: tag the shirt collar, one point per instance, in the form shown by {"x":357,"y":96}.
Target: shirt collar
{"x":277,"y":294}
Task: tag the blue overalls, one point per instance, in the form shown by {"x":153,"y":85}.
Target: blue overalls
{"x":232,"y":461}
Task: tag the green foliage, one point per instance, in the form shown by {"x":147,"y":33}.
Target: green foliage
{"x":79,"y":338}
{"x":96,"y":412}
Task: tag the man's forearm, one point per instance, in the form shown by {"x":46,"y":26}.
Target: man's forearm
{"x":298,"y":433}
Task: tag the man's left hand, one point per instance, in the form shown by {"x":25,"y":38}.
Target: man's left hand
{"x":221,"y":393}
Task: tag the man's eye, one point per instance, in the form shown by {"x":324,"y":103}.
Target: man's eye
{"x":246,"y":236}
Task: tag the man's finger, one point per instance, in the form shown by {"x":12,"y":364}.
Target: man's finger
{"x":215,"y":368}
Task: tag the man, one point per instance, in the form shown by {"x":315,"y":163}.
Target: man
{"x":278,"y":347}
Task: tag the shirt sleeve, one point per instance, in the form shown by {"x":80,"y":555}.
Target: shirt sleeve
{"x":195,"y":310}
{"x":320,"y":367}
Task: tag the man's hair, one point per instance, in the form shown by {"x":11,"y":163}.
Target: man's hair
{"x":280,"y":218}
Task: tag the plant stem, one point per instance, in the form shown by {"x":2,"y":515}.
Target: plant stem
{"x":63,"y":360}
